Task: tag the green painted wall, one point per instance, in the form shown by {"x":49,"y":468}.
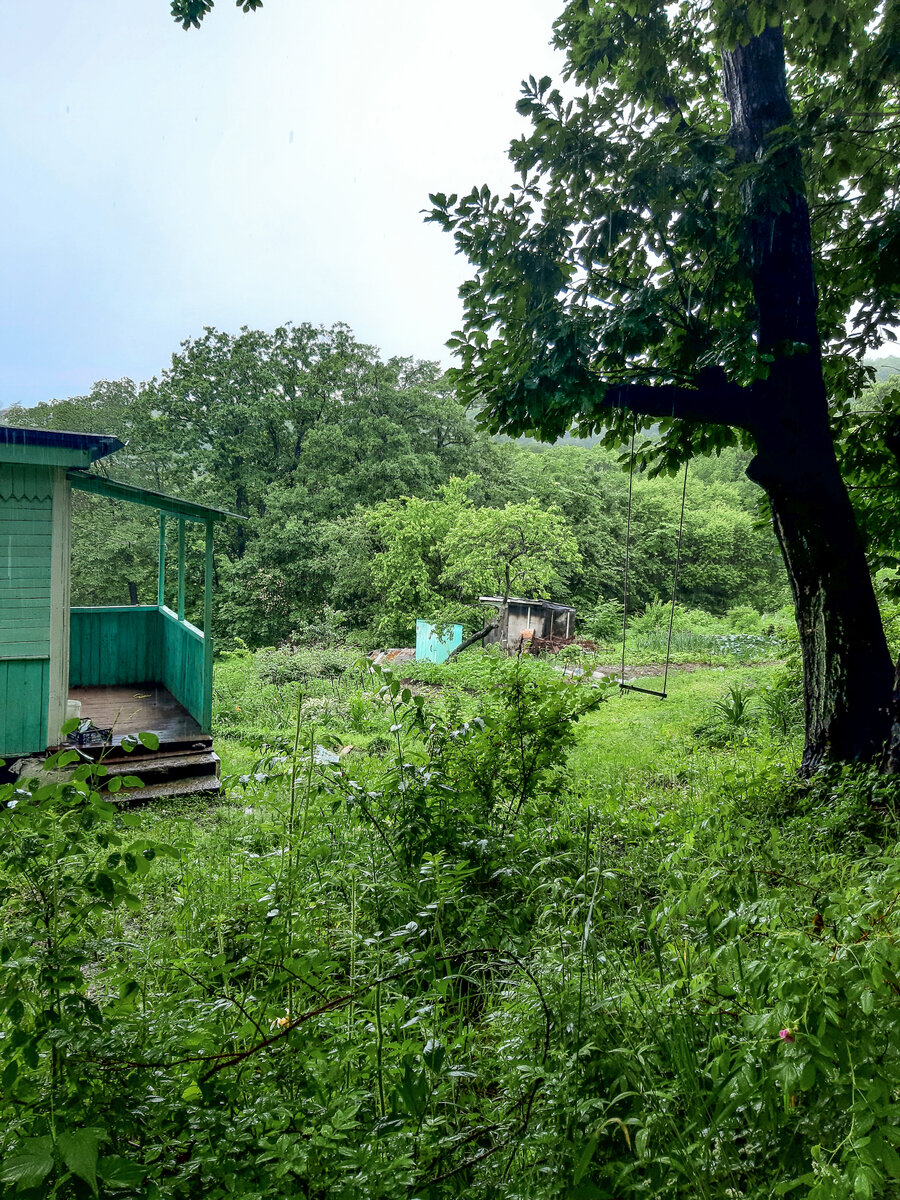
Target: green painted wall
{"x":182,"y":652}
{"x":24,"y":689}
{"x":114,"y":646}
{"x":119,"y":646}
{"x":26,"y":525}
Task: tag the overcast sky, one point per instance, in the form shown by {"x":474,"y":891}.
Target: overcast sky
{"x":268,"y":167}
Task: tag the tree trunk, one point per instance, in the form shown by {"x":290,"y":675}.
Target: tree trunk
{"x":892,"y":754}
{"x":847,"y":670}
{"x":470,"y":641}
{"x":847,"y":673}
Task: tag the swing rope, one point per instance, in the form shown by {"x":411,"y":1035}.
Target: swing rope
{"x":630,"y":687}
{"x":627,"y":552}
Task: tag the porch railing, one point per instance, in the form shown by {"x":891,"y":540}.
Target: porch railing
{"x":142,"y":644}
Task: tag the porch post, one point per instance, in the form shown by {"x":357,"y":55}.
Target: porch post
{"x":161,"y":584}
{"x":206,"y":722}
{"x":181,"y":568}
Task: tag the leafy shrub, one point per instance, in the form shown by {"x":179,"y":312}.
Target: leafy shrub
{"x":603,"y":623}
{"x":292,"y":664}
{"x":326,"y":629}
{"x":733,"y":716}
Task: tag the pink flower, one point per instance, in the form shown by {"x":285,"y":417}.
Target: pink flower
{"x":785,"y":1035}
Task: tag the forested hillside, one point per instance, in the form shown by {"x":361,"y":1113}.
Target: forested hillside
{"x":306,"y":432}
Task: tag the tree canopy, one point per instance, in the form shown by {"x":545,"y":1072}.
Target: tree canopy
{"x":624,"y":255}
{"x":189,"y":13}
{"x":315,"y":438}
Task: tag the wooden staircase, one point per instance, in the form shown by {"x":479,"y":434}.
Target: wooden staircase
{"x":181,"y":767}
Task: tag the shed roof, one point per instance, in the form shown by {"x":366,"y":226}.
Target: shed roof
{"x":552,"y":604}
{"x":54,"y":447}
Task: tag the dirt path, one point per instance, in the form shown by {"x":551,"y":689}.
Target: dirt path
{"x":649,"y":670}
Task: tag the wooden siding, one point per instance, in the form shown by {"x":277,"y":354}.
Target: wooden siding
{"x":60,"y":599}
{"x":182,"y":652}
{"x":23,"y":706}
{"x":25,"y":548}
{"x":26,"y":543}
{"x":114,"y":646}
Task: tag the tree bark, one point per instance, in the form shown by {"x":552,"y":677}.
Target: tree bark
{"x":846,"y":664}
{"x":891,"y":762}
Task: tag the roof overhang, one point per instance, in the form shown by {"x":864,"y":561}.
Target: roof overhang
{"x":54,"y":448}
{"x":170,"y":505}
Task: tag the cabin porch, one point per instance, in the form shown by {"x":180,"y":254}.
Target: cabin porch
{"x":184,"y":762}
{"x":135,"y":669}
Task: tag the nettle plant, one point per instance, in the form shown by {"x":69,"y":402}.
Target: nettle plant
{"x":69,"y":866}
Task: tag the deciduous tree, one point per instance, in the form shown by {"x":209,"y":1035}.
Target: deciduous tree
{"x":706,"y":234}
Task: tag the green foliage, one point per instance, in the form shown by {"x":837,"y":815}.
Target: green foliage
{"x":519,"y":549}
{"x":309,"y":434}
{"x":531,"y":914}
{"x":621,"y":254}
{"x":868,"y":443}
{"x":408,"y":558}
{"x":71,"y":864}
{"x":189,"y":13}
{"x":432,"y":558}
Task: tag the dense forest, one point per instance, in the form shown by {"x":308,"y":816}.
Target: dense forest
{"x":317,"y":441}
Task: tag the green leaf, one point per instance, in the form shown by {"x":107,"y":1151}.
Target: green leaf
{"x":30,"y":1165}
{"x":79,"y":1150}
{"x":104,"y":885}
{"x":587,"y":1153}
{"x":119,"y":1172}
{"x":150,"y":740}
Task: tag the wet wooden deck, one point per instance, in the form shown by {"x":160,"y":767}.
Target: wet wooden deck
{"x":148,"y":708}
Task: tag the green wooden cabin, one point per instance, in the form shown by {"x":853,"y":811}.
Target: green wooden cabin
{"x":133,"y":668}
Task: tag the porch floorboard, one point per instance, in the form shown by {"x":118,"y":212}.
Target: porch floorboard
{"x":138,"y":708}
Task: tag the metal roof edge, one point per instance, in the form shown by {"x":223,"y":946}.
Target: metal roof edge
{"x":171,"y":505}
{"x":98,"y":445}
{"x":525,"y":600}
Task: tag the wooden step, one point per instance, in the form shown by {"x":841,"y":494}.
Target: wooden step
{"x":115,"y":754}
{"x":166,"y":767}
{"x":202,"y":785}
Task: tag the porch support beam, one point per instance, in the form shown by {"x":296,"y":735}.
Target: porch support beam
{"x":206,"y":718}
{"x":181,"y":568}
{"x":161,"y":575}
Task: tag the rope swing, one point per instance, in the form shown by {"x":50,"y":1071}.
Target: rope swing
{"x":631,"y":687}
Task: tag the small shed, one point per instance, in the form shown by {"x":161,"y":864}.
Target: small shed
{"x":131,"y":669}
{"x":544,"y":618}
{"x":436,"y":644}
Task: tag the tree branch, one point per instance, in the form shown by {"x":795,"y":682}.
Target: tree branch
{"x":713,"y":401}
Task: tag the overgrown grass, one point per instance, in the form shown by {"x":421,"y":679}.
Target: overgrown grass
{"x":527,"y":938}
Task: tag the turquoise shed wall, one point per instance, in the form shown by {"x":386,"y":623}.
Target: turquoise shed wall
{"x":26,"y":556}
{"x":430,"y":647}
